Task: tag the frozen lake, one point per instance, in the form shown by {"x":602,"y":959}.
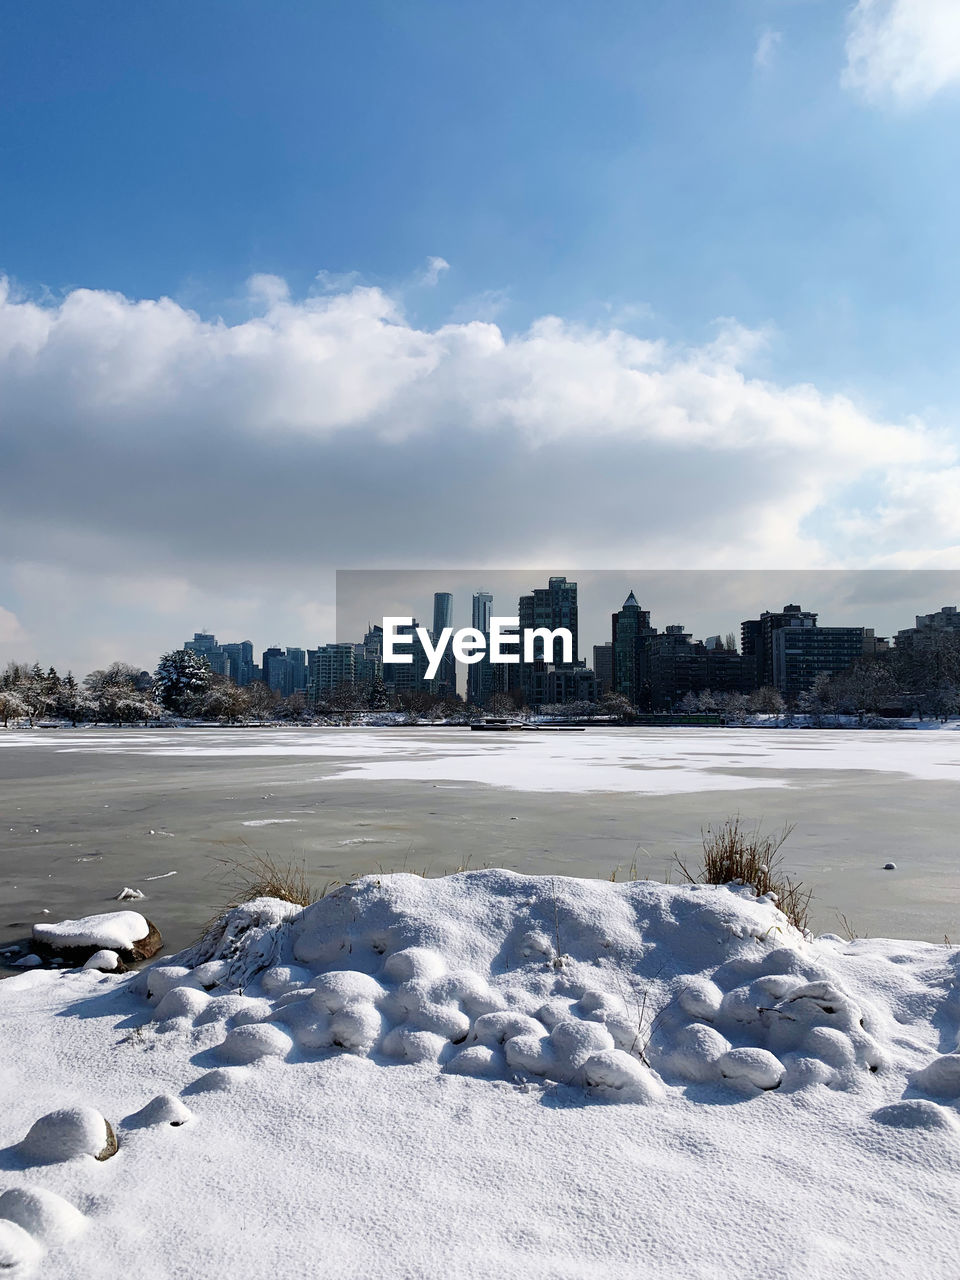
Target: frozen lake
{"x":84,"y":813}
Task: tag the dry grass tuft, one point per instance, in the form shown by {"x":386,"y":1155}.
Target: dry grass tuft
{"x":260,"y":876}
{"x":731,"y":854}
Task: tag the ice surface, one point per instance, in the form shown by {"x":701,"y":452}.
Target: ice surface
{"x":599,"y":759}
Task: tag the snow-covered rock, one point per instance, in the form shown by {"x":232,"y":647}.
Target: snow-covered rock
{"x":105,"y":960}
{"x":128,"y":933}
{"x":69,"y":1132}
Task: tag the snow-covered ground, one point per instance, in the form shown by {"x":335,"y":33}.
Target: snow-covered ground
{"x":494,"y":1075}
{"x":653,"y":762}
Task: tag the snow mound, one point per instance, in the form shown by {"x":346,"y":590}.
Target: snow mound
{"x":113,"y":931}
{"x":46,"y":1216}
{"x":70,"y":1132}
{"x":621,"y":990}
{"x":19,"y":1252}
{"x":165,"y":1109}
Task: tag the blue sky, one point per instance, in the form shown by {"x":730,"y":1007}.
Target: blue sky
{"x":654,"y":167}
{"x":566,"y":157}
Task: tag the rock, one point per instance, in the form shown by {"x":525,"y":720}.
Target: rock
{"x":129,"y":895}
{"x":27,"y":962}
{"x":72,"y":1131}
{"x":132,"y":936}
{"x":889,"y":866}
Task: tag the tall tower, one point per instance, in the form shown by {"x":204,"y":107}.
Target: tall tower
{"x":442,"y":611}
{"x":446,"y":678}
{"x":479,"y":673}
{"x":631,"y":635}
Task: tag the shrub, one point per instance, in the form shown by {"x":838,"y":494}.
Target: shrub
{"x":261,"y":877}
{"x":731,"y":854}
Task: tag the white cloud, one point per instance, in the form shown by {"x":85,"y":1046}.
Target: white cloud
{"x":184,"y":472}
{"x":905,"y":50}
{"x":768,"y":42}
{"x":484,"y":306}
{"x":433,"y":271}
{"x":337,"y":281}
{"x":12,"y":633}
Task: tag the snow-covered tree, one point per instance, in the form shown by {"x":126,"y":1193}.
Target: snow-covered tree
{"x":118,"y":675}
{"x":378,"y":699}
{"x":73,"y":703}
{"x":501,"y":704}
{"x":767,"y":701}
{"x":735,"y":707}
{"x":617,"y":705}
{"x":223,"y":700}
{"x":12,"y":706}
{"x":181,"y":680}
{"x":259,"y":700}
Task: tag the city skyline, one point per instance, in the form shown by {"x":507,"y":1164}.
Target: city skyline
{"x":885,"y":600}
{"x":784,"y":648}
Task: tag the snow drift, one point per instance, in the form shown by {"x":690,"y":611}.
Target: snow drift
{"x":617,"y":989}
{"x":413,"y":1073}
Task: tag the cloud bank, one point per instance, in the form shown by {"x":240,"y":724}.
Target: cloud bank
{"x":904,"y":50}
{"x":165,"y":471}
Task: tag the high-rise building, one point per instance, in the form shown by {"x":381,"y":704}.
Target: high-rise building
{"x":369,"y":657}
{"x":442,"y":611}
{"x":552,"y":607}
{"x":445,"y":681}
{"x":331,"y":665}
{"x":240,"y":664}
{"x":277,"y":672}
{"x":803,"y":651}
{"x":676,"y":666}
{"x":603,"y":665}
{"x":405,"y":677}
{"x":929,"y":626}
{"x":756,"y":639}
{"x":479,"y":674}
{"x":572,"y":684}
{"x":630,"y":645}
{"x":206,"y":645}
{"x":482,"y":611}
{"x":297,"y":659}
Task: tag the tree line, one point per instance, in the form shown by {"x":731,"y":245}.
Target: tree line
{"x":922,"y":679}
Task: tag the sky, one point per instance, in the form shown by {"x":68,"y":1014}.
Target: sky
{"x":299,"y":287}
